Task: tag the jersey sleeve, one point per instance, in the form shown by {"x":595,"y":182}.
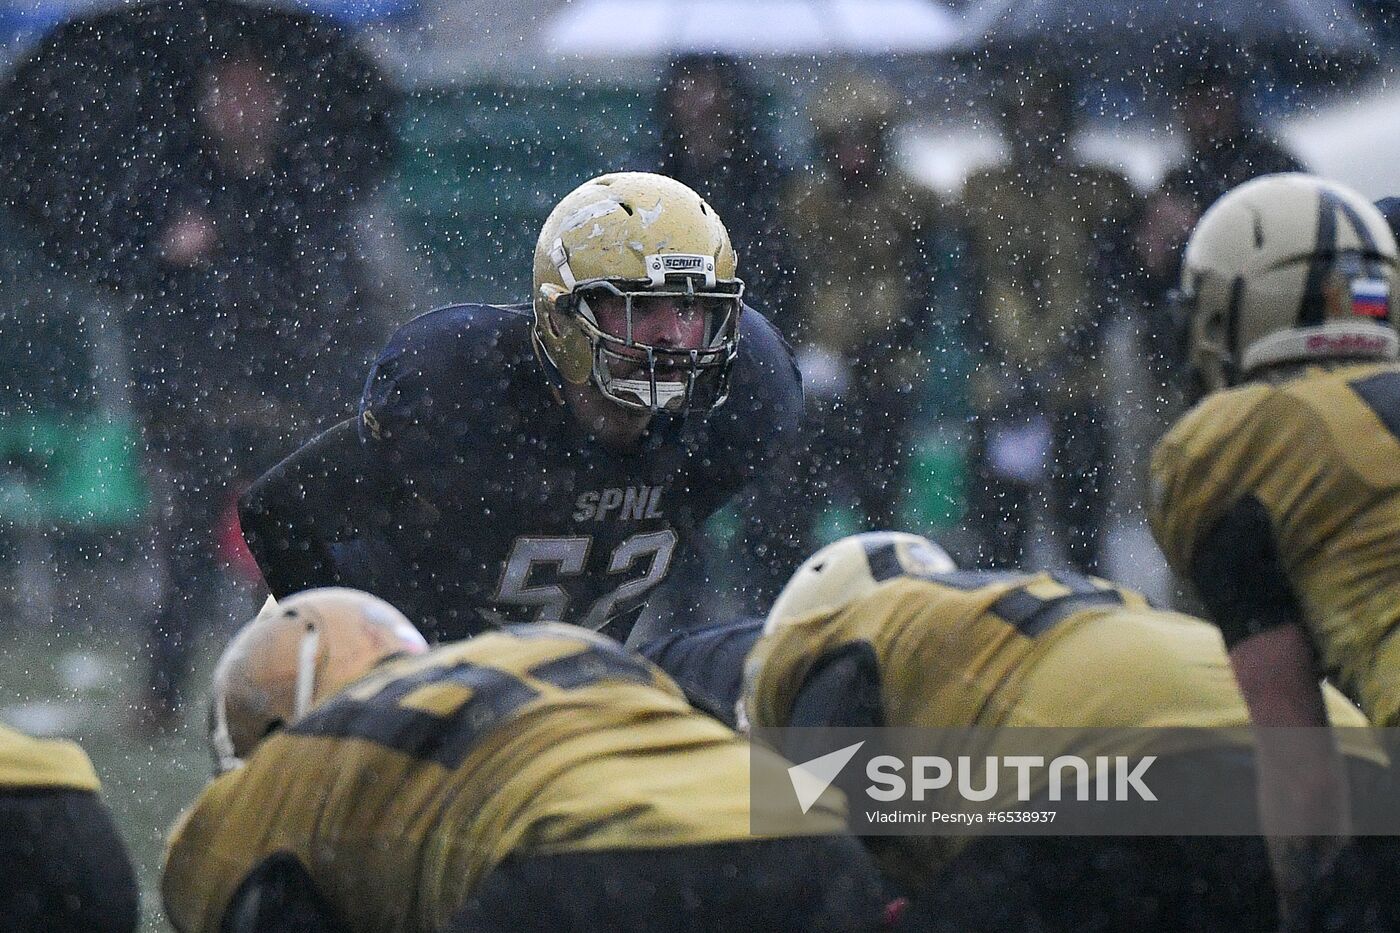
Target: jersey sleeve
{"x":279,"y":896}
{"x":303,"y":512}
{"x":198,"y":876}
{"x":442,"y":386}
{"x":1195,"y":474}
{"x":780,"y":662}
{"x":1219,"y":506}
{"x":1239,"y":575}
{"x":28,"y":763}
{"x":418,"y":385}
{"x":842,"y":690}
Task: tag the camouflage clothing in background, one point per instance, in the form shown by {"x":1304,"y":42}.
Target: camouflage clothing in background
{"x":1046,"y":242}
{"x":1041,"y":244}
{"x":863,"y":280}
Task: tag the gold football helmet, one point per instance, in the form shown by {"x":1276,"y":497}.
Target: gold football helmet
{"x":848,"y":570}
{"x":295,"y":654}
{"x":1285,"y":269}
{"x":636,"y":236}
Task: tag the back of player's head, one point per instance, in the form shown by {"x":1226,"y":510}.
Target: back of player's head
{"x":1287,"y":269}
{"x":295,"y":654}
{"x":634,"y":237}
{"x":841,"y":573}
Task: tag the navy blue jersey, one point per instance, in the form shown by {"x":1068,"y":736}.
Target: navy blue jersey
{"x":466,"y":495}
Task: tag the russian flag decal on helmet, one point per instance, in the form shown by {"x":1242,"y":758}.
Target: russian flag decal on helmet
{"x":1370,"y":298}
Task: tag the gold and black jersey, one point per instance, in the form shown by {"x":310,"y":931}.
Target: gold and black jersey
{"x":984,"y":649}
{"x":46,"y":764}
{"x":1318,"y":459}
{"x":401,"y":793}
{"x":995,"y":651}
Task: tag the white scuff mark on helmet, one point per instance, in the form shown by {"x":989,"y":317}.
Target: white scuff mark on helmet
{"x":308,"y":656}
{"x":584,"y":214}
{"x":637,"y":246}
{"x":650,"y":217}
{"x":596,"y":231}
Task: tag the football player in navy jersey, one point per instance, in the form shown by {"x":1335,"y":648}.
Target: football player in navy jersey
{"x":545,"y":462}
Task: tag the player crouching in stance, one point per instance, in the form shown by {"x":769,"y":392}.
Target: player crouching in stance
{"x":881,"y":630}
{"x":552,"y":461}
{"x":535,"y":778}
{"x":63,"y":868}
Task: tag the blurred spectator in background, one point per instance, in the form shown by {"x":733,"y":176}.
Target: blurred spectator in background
{"x":858,"y":230}
{"x":208,"y":163}
{"x":1225,"y":150}
{"x":1043,"y":230}
{"x":257,"y":324}
{"x":714,"y":139}
{"x":260,"y":303}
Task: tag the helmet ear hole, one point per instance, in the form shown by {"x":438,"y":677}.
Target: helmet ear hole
{"x":571,"y":353}
{"x":552,"y":325}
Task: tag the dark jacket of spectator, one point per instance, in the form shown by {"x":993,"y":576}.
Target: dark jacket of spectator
{"x":1226,"y":150}
{"x":713,"y":138}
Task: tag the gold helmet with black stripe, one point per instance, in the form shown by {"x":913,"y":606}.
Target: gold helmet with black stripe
{"x":848,"y":570}
{"x":638,"y":237}
{"x":1287,"y":269}
{"x":836,"y":576}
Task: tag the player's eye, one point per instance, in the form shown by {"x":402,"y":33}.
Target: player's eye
{"x":696,"y":308}
{"x":645,"y":308}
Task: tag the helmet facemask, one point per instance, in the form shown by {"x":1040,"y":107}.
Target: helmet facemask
{"x":646,"y":377}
